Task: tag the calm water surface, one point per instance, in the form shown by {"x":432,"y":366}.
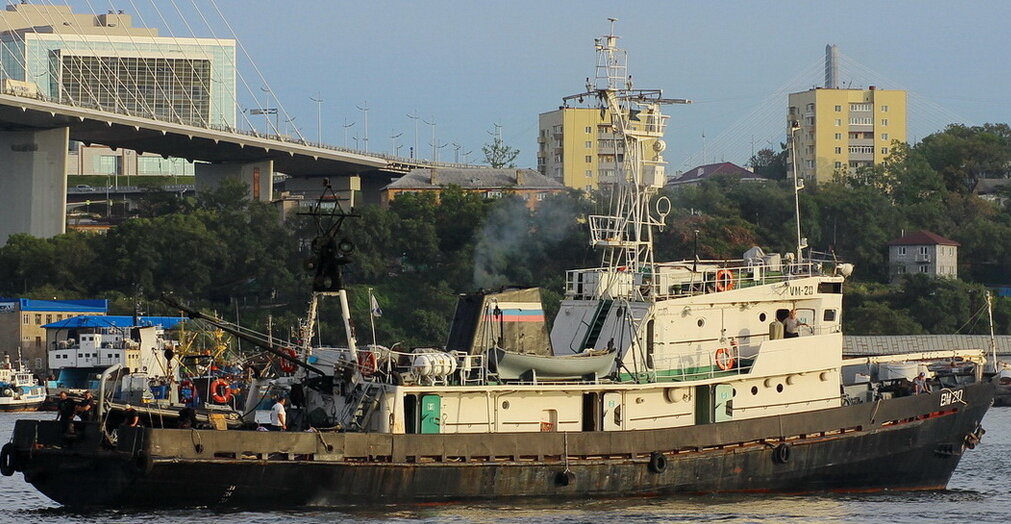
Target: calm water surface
{"x":980,"y":491}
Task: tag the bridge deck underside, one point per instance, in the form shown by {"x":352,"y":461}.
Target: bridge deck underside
{"x":192,"y":143}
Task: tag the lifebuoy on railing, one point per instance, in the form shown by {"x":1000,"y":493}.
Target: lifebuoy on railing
{"x":367,"y":362}
{"x":221,"y":392}
{"x":724,"y":280}
{"x":286,"y":365}
{"x":725,"y":359}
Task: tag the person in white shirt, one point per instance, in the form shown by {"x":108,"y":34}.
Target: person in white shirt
{"x":791,"y":324}
{"x":278,"y":417}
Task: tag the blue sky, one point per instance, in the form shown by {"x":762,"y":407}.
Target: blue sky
{"x":469,"y":65}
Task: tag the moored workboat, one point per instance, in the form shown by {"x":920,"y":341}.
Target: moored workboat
{"x":19,"y":389}
{"x":658,"y":378}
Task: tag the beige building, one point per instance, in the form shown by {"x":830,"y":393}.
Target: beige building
{"x":21,"y":322}
{"x":844,"y":129}
{"x":922,"y":252}
{"x":578,"y":147}
{"x":491,"y":183}
{"x":100,"y":160}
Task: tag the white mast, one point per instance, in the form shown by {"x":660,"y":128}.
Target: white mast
{"x":626,"y":236}
{"x":798,"y":184}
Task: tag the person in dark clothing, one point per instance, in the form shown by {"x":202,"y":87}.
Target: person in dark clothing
{"x":186,"y":418}
{"x":66,"y":408}
{"x":87,"y":408}
{"x":131,"y":419}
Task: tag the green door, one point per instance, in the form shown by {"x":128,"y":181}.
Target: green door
{"x":703,"y":404}
{"x":431,"y":413}
{"x":724,"y":402}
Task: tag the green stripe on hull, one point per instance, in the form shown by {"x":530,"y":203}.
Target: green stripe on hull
{"x":693,"y":373}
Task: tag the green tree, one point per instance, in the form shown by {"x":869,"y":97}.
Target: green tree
{"x":963,"y":155}
{"x":498,"y":154}
{"x":770,"y":164}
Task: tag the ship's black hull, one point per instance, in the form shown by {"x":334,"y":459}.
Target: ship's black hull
{"x":911,"y":443}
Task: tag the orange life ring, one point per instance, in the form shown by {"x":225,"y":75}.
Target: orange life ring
{"x":725,"y":359}
{"x":367,"y":363}
{"x":286,"y":365}
{"x":724,"y":280}
{"x":220,"y":391}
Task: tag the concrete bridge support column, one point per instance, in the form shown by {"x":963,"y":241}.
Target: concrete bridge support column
{"x":33,"y":182}
{"x":257,"y":176}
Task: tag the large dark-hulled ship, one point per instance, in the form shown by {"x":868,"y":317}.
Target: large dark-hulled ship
{"x":656,"y":378}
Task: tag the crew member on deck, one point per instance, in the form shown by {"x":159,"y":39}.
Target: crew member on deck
{"x":86,"y":408}
{"x":66,"y":409}
{"x":791,"y":325}
{"x":920,"y":383}
{"x":278,"y":417}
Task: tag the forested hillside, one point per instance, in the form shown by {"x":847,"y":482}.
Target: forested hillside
{"x":225,"y":254}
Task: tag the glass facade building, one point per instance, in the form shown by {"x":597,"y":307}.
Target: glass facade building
{"x":180,"y":80}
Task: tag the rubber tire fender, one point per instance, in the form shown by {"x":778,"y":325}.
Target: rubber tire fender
{"x":8,"y":460}
{"x":657,"y":462}
{"x":781,"y":453}
{"x":564,"y":478}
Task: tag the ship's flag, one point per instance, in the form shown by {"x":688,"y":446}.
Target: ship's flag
{"x":374,"y":304}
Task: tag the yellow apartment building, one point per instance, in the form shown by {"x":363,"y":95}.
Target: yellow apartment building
{"x":578,"y":147}
{"x":844,"y":129}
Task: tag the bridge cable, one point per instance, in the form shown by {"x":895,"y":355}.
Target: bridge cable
{"x":49,"y":95}
{"x":95,"y":55}
{"x":242,"y":78}
{"x":253,"y":63}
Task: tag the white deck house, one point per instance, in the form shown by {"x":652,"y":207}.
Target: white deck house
{"x":923,"y":252}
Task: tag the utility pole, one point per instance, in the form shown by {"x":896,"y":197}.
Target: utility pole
{"x":319,"y":117}
{"x":346,"y":127}
{"x":416,"y":116}
{"x":456,"y":154}
{"x":365,"y":111}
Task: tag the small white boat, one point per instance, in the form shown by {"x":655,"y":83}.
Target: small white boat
{"x":518,"y":366}
{"x":19,"y":389}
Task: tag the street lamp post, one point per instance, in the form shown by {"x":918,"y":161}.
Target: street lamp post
{"x":365,"y":112}
{"x":319,"y":117}
{"x":346,"y":127}
{"x":435,"y":150}
{"x":416,"y":116}
{"x":394,"y":138}
{"x":266,"y":115}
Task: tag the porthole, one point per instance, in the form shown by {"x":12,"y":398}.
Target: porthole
{"x":754,"y":390}
{"x":779,"y":388}
{"x":505,"y":404}
{"x":733,"y":392}
{"x":762,"y":317}
{"x":701,"y":322}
